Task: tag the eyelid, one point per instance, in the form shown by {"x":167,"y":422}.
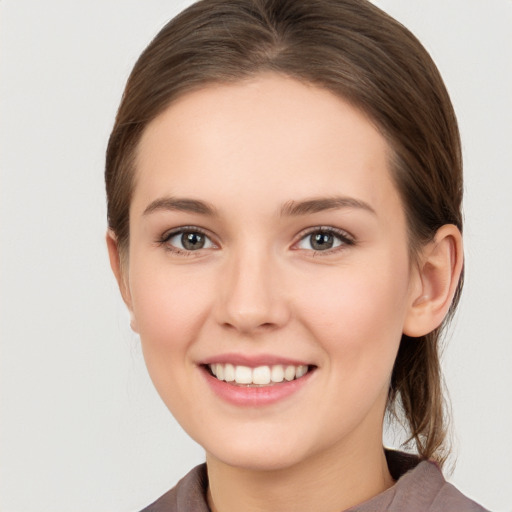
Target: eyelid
{"x":180,"y":229}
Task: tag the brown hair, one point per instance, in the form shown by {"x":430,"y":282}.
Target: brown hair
{"x":356,"y":51}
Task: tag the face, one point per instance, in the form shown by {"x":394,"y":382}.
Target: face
{"x":268,"y":271}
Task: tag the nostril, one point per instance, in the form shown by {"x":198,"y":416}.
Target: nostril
{"x":250,"y":327}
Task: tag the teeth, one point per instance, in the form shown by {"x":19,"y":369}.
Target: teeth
{"x":277,"y":373}
{"x":260,"y":375}
{"x":243,"y":375}
{"x":229,"y":373}
{"x":289,"y":373}
{"x":301,"y":371}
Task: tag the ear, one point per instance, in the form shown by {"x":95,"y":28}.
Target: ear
{"x":434,"y":285}
{"x":120,"y":274}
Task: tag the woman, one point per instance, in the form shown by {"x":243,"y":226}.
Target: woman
{"x":284,"y":187}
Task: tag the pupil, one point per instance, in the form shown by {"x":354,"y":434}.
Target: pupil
{"x":322,"y":241}
{"x":192,"y":241}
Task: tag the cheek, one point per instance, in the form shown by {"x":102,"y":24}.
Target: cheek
{"x":358,"y":313}
{"x":167,"y":300}
{"x":170,"y":308}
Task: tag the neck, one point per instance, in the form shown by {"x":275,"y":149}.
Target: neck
{"x":328,"y":482}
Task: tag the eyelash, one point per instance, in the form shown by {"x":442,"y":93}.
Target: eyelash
{"x":344,"y":239}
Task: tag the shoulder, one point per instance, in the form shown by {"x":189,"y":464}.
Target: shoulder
{"x":426,"y":487}
{"x":188,"y":494}
{"x":419,"y":486}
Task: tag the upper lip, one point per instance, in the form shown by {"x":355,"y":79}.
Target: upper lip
{"x":253,"y":361}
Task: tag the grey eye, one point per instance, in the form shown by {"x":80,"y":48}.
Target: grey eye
{"x":320,"y":241}
{"x":190,"y":241}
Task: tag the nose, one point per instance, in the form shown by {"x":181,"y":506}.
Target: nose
{"x":252,"y":297}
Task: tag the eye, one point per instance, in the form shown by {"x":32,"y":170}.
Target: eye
{"x":324,"y":239}
{"x":187,"y":240}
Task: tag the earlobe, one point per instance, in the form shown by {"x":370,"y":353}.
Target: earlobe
{"x":119,"y":273}
{"x":438,"y":272}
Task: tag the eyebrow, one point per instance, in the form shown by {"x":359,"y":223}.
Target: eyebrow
{"x":180,"y":204}
{"x":316,"y":205}
{"x":290,"y":208}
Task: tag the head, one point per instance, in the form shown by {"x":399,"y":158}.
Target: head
{"x":356,"y":52}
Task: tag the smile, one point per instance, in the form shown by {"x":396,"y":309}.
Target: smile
{"x":259,"y":376}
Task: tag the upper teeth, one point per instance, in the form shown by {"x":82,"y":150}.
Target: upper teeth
{"x":259,"y":375}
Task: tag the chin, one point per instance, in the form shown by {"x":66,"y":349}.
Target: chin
{"x":257,"y":461}
{"x":258,"y":456}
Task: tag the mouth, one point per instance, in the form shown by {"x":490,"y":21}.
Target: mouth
{"x":265,"y":375}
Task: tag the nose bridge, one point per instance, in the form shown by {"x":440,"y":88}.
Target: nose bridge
{"x":252,"y":297}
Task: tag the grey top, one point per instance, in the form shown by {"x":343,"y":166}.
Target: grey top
{"x":419,"y":487}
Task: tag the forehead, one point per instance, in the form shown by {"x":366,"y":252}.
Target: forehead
{"x":270,"y":133}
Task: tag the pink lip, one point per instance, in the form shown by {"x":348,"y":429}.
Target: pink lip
{"x":254,"y":396}
{"x":252,"y":361}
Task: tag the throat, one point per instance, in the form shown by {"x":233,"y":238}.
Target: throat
{"x":302,"y":488}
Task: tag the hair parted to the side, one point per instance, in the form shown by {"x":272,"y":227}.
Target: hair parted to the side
{"x":356,"y":51}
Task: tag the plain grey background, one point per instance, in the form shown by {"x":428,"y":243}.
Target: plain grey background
{"x":81,"y":427}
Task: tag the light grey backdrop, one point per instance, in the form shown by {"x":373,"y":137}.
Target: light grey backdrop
{"x":81,"y":427}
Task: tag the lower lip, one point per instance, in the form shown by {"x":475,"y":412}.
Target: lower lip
{"x":255,"y":396}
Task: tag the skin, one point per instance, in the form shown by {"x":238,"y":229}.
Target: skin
{"x":253,"y":151}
